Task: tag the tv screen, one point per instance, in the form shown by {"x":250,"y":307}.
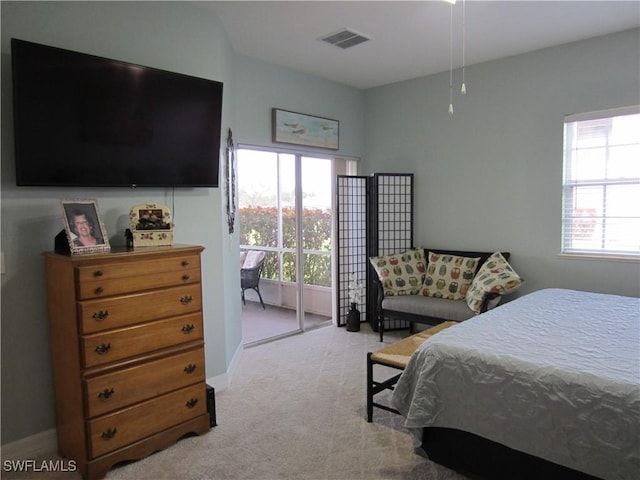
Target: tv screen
{"x":83,"y":120}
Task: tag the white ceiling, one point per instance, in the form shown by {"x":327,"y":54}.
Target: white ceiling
{"x":409,"y":38}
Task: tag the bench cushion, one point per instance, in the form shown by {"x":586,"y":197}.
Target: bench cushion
{"x":456,"y":310}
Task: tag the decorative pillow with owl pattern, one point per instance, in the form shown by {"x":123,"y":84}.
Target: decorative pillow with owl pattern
{"x":449,"y":276}
{"x":495,"y":276}
{"x":401,"y":273}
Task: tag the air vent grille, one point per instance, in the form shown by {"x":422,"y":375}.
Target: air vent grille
{"x":345,"y":38}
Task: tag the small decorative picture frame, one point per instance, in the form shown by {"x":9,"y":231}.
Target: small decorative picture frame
{"x":151,"y":225}
{"x":301,"y":129}
{"x":84,"y":228}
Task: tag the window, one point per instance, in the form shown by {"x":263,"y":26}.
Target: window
{"x":601,"y":185}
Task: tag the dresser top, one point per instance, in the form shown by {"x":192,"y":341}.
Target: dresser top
{"x":128,"y":254}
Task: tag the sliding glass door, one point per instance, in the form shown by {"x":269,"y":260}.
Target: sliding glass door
{"x":285,"y":210}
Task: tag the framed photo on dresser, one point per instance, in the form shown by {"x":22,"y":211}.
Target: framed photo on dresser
{"x":83,"y":226}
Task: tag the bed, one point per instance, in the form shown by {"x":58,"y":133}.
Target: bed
{"x":553,"y":376}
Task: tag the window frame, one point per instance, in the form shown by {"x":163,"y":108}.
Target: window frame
{"x":570,"y":184}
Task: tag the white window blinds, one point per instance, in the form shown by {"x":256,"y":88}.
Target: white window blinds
{"x":601,"y":185}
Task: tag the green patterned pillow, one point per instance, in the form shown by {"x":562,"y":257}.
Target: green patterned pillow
{"x":401,"y":273}
{"x":495,"y":276}
{"x":449,"y":276}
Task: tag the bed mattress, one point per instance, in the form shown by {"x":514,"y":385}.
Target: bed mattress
{"x":555,"y":374}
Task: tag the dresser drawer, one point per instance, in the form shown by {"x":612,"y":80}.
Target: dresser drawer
{"x":113,"y":312}
{"x":106,"y":287}
{"x":115,"y":430}
{"x":106,"y":347}
{"x":89,"y":273}
{"x":109,"y":392}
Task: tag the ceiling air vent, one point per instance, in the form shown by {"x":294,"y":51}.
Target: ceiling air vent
{"x":345,"y":38}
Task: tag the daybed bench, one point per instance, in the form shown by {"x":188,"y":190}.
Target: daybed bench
{"x":430,"y":286}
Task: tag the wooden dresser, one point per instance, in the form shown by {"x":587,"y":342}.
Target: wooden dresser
{"x":127,"y":350}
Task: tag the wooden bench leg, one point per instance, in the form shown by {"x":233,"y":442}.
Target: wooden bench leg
{"x":374,"y":387}
{"x":369,"y":388}
{"x":397,"y":355}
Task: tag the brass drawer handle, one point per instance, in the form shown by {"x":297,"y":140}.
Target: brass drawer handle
{"x":97,"y":273}
{"x":187,"y":299}
{"x":185,"y":263}
{"x":103,"y":348}
{"x":101,"y":315}
{"x":190,"y":368}
{"x":188,"y":328}
{"x":185,"y":277}
{"x":109,"y":433}
{"x":192,"y":403}
{"x":106,"y":393}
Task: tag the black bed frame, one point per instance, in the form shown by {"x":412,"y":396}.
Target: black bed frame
{"x":480,"y":458}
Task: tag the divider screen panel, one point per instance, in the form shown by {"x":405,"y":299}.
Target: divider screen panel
{"x":394,"y":209}
{"x":352,"y":200}
{"x":390,"y":226}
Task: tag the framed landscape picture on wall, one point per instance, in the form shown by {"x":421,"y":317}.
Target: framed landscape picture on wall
{"x":302,"y":129}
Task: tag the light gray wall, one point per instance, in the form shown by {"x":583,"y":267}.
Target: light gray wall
{"x":262,"y":86}
{"x":489,"y":177}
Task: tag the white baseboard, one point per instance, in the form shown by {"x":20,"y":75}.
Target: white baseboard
{"x":220,"y":382}
{"x":234,"y":361}
{"x":35,"y":446}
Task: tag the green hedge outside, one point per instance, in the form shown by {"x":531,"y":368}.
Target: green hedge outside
{"x":259,"y":228}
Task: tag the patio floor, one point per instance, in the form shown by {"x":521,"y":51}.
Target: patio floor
{"x":259,"y":324}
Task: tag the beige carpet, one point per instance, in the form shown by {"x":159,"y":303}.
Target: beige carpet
{"x":295,"y":409}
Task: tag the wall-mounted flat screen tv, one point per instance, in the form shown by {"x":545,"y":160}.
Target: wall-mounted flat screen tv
{"x":86,"y":121}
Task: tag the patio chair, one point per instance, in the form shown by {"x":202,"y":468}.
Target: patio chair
{"x":250,"y":272}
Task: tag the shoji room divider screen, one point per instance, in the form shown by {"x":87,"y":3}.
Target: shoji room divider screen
{"x":353,"y":196}
{"x":374,"y":217}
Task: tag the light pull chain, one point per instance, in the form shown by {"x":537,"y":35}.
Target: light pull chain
{"x":451,"y":62}
{"x":463,"y":89}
